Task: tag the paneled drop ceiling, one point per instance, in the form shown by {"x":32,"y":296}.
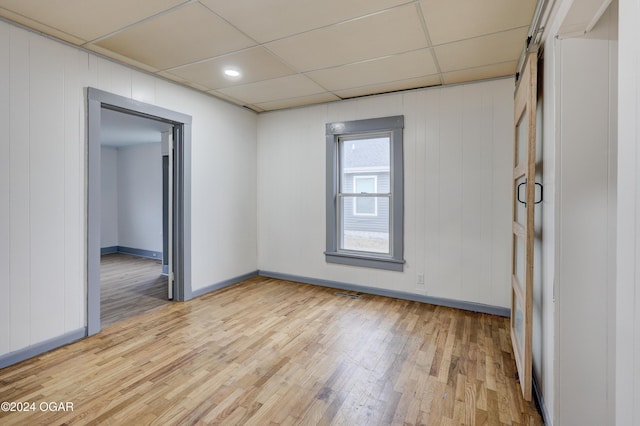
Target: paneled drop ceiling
{"x":293,"y":52}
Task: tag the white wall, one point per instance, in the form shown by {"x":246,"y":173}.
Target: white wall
{"x":42,"y":190}
{"x":586,"y":224}
{"x":140,"y":197}
{"x":627,"y":312}
{"x":109,"y":206}
{"x":132,"y":197}
{"x":458,"y":167}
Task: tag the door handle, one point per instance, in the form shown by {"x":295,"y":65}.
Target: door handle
{"x":541,"y":189}
{"x":524,"y":202}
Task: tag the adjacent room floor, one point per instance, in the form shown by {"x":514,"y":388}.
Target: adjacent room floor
{"x":129,"y":286}
{"x":267,"y":351}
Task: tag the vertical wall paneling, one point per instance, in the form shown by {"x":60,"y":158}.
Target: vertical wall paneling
{"x":224,"y":186}
{"x":47,"y":191}
{"x":415,"y":152}
{"x":139,"y":196}
{"x":109,"y":197}
{"x":73,"y":97}
{"x":584,"y":223}
{"x":410,"y":182}
{"x":627,"y":357}
{"x":43,"y":90}
{"x":474,"y":255}
{"x":450,"y":193}
{"x":143,"y":87}
{"x":20,"y":262}
{"x":502,"y":195}
{"x":431,"y":194}
{"x":120,"y":79}
{"x":5,"y":191}
{"x":611,"y":17}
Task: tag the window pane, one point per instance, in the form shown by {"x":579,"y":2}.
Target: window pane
{"x":365,"y":184}
{"x":521,"y":139}
{"x":365,"y":233}
{"x":519,"y":324}
{"x":369,"y":157}
{"x":365,"y":206}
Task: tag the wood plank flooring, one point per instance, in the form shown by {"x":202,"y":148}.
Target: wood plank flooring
{"x":129,"y":286}
{"x":271,"y":352}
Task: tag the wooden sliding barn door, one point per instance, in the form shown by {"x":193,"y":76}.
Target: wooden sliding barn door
{"x":524,"y":188}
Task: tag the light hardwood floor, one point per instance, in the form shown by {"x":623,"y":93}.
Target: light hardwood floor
{"x":270,"y":352}
{"x":129,"y":286}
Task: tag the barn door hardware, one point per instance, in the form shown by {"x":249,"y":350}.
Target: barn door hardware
{"x":524,"y":202}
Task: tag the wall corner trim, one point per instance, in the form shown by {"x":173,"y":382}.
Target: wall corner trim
{"x":42,"y":347}
{"x":222,"y":284}
{"x":458,"y":304}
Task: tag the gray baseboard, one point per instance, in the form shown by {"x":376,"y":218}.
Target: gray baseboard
{"x":108,"y":250}
{"x":222,"y":284}
{"x":467,"y":306}
{"x":539,"y":400}
{"x":42,"y":347}
{"x":150,"y":254}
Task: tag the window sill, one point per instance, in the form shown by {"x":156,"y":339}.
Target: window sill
{"x":364,"y":261}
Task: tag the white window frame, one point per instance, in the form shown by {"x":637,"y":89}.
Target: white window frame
{"x":359,"y":129}
{"x":375,"y":199}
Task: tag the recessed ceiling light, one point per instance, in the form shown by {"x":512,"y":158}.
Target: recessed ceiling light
{"x":229,"y":72}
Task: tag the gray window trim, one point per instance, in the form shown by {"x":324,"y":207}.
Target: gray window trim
{"x":393,"y":125}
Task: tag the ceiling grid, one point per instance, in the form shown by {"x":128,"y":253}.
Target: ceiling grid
{"x":293,"y":52}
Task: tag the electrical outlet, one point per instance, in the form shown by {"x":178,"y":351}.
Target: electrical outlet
{"x":420,"y":279}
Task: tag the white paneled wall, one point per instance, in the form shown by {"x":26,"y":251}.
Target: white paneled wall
{"x":109,"y":187}
{"x":5,"y":196}
{"x":140,"y":197}
{"x":458,"y":165}
{"x":586,"y":225}
{"x":627,"y":314}
{"x":132,"y":197}
{"x":42,"y":182}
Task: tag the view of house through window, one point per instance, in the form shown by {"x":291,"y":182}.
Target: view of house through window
{"x":364,"y":193}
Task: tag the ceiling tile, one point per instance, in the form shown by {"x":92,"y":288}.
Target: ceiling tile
{"x":271,"y":20}
{"x":394,"y":31}
{"x":299,"y":101}
{"x":272,"y":90}
{"x":486,"y":50}
{"x":185,"y":35}
{"x":30,"y":23}
{"x":255,"y":64}
{"x":481,"y":73}
{"x":88,"y":19}
{"x":451,"y":20}
{"x":226,"y":98}
{"x":181,"y":80}
{"x":117,"y":57}
{"x":391,"y":68}
{"x":430,"y":80}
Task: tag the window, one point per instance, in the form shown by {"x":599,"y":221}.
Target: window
{"x":365,"y":193}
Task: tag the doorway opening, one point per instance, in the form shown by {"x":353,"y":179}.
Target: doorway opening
{"x":135,"y":203}
{"x":163,"y":236}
